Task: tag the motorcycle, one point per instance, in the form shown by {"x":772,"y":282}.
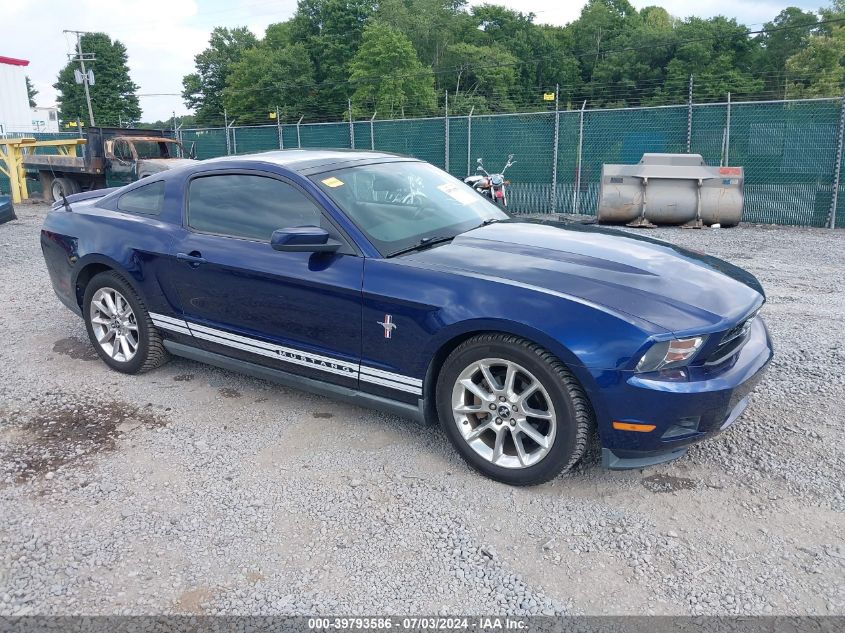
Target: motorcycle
{"x":492,"y":186}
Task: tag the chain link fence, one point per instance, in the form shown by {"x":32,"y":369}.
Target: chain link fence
{"x":789,"y":150}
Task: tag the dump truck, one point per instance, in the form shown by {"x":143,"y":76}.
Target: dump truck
{"x":111,"y":157}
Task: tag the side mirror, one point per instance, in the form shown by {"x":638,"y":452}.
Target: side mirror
{"x":478,"y":161}
{"x":479,"y":168}
{"x":510,"y":157}
{"x":303,"y":239}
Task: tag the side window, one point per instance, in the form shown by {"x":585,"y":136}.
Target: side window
{"x":247,"y":206}
{"x":147,"y":199}
{"x":122,"y":151}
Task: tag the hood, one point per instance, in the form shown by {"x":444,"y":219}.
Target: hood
{"x":671,"y":287}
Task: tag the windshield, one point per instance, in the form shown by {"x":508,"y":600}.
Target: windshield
{"x":399,"y":205}
{"x":156,"y":149}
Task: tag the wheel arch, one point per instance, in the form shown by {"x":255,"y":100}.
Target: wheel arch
{"x":93,"y":265}
{"x":462,"y":332}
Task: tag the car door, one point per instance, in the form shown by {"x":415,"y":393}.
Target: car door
{"x":122,"y":164}
{"x":296,"y":311}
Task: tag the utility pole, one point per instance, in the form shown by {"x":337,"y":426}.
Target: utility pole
{"x":81,"y":59}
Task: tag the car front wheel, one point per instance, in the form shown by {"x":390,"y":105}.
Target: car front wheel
{"x":119,"y":325}
{"x":512,"y":410}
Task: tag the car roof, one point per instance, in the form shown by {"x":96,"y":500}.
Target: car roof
{"x":307,"y":161}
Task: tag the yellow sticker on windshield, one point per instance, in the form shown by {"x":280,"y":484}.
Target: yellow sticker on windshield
{"x":332,"y":182}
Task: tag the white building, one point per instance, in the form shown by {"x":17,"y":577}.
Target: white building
{"x":14,"y":100}
{"x":45,"y":119}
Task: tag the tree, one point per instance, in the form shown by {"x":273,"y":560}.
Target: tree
{"x":719,"y":54}
{"x":31,"y":92}
{"x":635,"y":66}
{"x":388,"y":77}
{"x":430,"y":25}
{"x":266,"y":78}
{"x":331,"y":30}
{"x":186,"y":121}
{"x":817,"y":70}
{"x":596,"y":30}
{"x":203,"y":89}
{"x":480,"y":76}
{"x":786,"y":35}
{"x":113,"y":95}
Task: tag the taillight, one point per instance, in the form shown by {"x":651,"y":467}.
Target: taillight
{"x":500,"y":193}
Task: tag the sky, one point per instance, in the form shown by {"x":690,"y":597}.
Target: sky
{"x":162,"y":36}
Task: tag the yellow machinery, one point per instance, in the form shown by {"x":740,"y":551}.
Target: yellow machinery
{"x":13,"y":151}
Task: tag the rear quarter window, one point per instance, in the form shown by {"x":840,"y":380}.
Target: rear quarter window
{"x":146,"y":199}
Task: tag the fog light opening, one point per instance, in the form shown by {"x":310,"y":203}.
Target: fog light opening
{"x":684,"y":426}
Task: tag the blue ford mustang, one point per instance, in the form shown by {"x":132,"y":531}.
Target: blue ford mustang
{"x":383,"y":280}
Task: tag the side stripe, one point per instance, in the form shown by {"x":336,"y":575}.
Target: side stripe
{"x":391,"y":384}
{"x":380,"y":373}
{"x":169,"y":323}
{"x":281,"y":353}
{"x":327,"y":364}
{"x":278,"y":349}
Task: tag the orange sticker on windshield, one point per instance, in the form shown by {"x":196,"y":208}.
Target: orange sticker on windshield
{"x":332,"y":182}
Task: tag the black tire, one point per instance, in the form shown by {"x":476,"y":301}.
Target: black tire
{"x":66,"y":185}
{"x":574,"y":415}
{"x":150,"y":352}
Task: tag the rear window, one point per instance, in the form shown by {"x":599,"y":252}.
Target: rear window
{"x":146,"y":200}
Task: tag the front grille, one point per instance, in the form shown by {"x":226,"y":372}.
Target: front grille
{"x":731,"y":341}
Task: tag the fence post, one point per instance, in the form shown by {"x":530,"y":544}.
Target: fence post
{"x":834,"y":199}
{"x":553,"y":197}
{"x":226,"y":126}
{"x":469,"y":140}
{"x":279,"y":129}
{"x":372,"y":131}
{"x":689,"y":117}
{"x":578,"y":159}
{"x":728,"y":134}
{"x":298,"y":137}
{"x":446,"y":128}
{"x":351,"y":126}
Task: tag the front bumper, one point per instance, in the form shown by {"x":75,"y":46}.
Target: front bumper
{"x":683,"y":412}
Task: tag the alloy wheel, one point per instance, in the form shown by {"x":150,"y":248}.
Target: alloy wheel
{"x":114,"y":324}
{"x":504,"y":413}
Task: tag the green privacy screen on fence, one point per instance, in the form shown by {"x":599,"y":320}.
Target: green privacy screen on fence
{"x":788,"y":149}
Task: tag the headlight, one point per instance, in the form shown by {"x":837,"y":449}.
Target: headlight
{"x":667,"y":354}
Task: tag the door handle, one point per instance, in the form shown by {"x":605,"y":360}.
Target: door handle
{"x":193,"y":258}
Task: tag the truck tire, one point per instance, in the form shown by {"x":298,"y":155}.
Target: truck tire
{"x":63,"y":185}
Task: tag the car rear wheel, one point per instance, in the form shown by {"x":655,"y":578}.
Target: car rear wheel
{"x":512,"y":410}
{"x":119,"y":325}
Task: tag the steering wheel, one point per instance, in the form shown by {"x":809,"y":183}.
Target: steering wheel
{"x":420,"y":199}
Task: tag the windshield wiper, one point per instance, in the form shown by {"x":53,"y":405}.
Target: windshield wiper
{"x":424,"y":243}
{"x":490,"y":221}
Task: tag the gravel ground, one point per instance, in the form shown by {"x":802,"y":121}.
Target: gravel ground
{"x":195,"y":490}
